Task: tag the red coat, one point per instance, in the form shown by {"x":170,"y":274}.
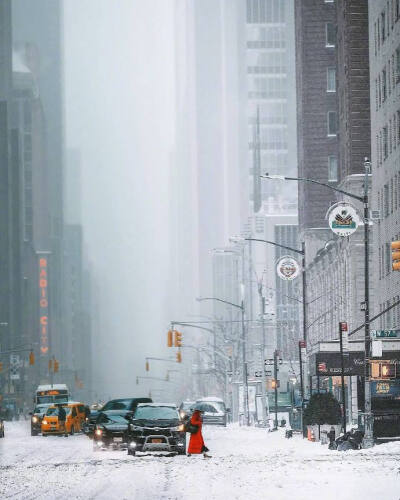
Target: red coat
{"x":196,"y":443}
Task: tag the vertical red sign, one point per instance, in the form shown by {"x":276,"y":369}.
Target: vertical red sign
{"x":43,"y":305}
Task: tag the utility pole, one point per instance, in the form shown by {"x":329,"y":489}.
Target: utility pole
{"x":276,"y":357}
{"x":302,"y":346}
{"x":263,"y":377}
{"x":342,"y":328}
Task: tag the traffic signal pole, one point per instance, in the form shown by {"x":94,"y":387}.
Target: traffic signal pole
{"x":276,"y":355}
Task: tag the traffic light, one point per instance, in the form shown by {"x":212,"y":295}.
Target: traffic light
{"x":169,"y":338}
{"x":31,"y":358}
{"x":179,"y":357}
{"x":56,"y":366}
{"x":147,"y":366}
{"x":178,"y":339}
{"x":396,"y":255}
{"x":273,"y":383}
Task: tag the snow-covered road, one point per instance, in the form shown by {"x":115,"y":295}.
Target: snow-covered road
{"x":246,"y":464}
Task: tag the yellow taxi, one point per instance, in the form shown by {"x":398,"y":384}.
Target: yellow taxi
{"x":75,"y":417}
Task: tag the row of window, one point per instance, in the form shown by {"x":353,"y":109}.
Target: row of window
{"x":265,"y":70}
{"x":389,"y":196}
{"x":266,"y":11}
{"x":387,"y":79}
{"x":385,"y":22}
{"x":388,"y":139}
{"x":392,"y":318}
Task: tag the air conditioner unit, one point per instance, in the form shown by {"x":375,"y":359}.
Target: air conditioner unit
{"x":375,"y":215}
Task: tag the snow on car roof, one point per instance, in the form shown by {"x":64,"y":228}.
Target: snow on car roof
{"x":211,"y":399}
{"x":49,"y":387}
{"x":171,"y":405}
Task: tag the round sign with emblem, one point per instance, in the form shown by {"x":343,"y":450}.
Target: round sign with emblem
{"x":343,"y":219}
{"x":287,"y":268}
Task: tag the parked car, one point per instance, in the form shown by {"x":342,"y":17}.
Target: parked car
{"x":121,"y":404}
{"x":36,"y":418}
{"x":111,"y":429}
{"x":156,"y":427}
{"x":215,"y":412}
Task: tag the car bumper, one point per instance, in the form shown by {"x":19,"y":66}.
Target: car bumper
{"x":152,"y":442}
{"x":214,"y":420}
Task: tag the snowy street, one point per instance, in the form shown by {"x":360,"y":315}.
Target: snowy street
{"x":245,"y":464}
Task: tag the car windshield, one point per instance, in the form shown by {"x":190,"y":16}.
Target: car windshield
{"x":44,"y":399}
{"x":118,"y":404}
{"x":52,"y":412}
{"x":156,"y":413}
{"x":211,"y":406}
{"x":40,"y":409}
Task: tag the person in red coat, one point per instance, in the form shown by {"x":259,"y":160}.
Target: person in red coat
{"x":196,"y":443}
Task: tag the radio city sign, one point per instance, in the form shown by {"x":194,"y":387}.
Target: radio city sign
{"x":43,"y":303}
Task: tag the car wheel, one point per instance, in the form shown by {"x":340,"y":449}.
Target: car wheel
{"x":131,"y":452}
{"x":72,"y":431}
{"x":34,"y":433}
{"x":44,"y":434}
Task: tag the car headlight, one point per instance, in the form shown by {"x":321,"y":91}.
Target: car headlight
{"x":132,"y":444}
{"x":44,"y":422}
{"x":34,"y":419}
{"x":178,"y":428}
{"x":182,"y":413}
{"x":98,"y":432}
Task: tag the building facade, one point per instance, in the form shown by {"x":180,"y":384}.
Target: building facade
{"x":317,"y":123}
{"x":384,"y":56}
{"x":271,"y":119}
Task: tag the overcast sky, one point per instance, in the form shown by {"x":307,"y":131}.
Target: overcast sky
{"x":119,"y":96}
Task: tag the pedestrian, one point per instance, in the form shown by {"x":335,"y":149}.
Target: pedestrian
{"x":196,"y":443}
{"x":62,"y":416}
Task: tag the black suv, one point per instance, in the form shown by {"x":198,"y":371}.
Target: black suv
{"x":156,"y":427}
{"x":128,"y":404}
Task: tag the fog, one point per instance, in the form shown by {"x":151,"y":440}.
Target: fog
{"x":119,"y":103}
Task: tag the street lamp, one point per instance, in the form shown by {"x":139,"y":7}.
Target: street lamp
{"x":245,"y":382}
{"x":368,"y":440}
{"x":295,"y":250}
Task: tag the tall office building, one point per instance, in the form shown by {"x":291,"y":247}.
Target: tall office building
{"x":317,"y":123}
{"x":384,"y":54}
{"x":271,"y":110}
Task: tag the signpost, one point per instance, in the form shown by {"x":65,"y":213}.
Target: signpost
{"x":344,"y":340}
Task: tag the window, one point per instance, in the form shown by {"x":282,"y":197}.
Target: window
{"x":388,"y":257}
{"x":330,"y":35}
{"x":398,"y":65}
{"x":384,"y":88}
{"x":385,"y":142}
{"x":379,"y":90}
{"x":380,"y":263}
{"x":331,"y":80}
{"x":391,"y":196}
{"x":332,"y":123}
{"x":375,"y":44}
{"x":376,"y":95}
{"x":390,"y":136}
{"x":383,"y":26}
{"x":398,"y":127}
{"x":332,"y":169}
{"x":397,"y":9}
{"x":389,"y":86}
{"x":386,"y":199}
{"x":395,"y":193}
{"x":398,"y":189}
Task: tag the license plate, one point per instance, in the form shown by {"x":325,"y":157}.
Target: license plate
{"x":118,"y":440}
{"x":157,"y":440}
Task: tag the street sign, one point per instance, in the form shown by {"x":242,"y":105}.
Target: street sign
{"x":268,"y":373}
{"x":258,"y":373}
{"x":287,"y":268}
{"x":345,"y":335}
{"x":379,"y":334}
{"x":343,"y":219}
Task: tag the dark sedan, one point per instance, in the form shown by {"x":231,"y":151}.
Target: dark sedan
{"x":121,"y":404}
{"x":111,"y":429}
{"x":156,"y":427}
{"x":37,"y":417}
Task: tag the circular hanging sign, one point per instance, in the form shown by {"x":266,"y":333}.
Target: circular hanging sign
{"x":343,"y":219}
{"x":287,"y":268}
